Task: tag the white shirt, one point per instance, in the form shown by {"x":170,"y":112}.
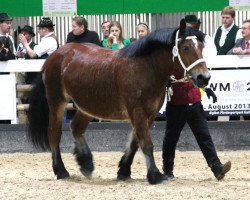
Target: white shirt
{"x":224,"y":32}
{"x":21,"y":48}
{"x":47,"y":45}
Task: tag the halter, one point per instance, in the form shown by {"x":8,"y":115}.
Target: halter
{"x":175,"y":52}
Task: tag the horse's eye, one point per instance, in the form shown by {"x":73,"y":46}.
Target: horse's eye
{"x":185,"y":48}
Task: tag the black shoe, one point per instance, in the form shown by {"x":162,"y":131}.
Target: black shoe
{"x":170,"y":175}
{"x":220,"y":170}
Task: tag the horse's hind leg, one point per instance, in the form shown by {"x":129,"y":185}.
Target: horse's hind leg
{"x":55,"y":132}
{"x":82,"y":152}
{"x":126,"y":161}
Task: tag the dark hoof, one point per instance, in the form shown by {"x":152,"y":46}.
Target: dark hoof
{"x":121,"y":177}
{"x":64,"y":175}
{"x":87,"y":173}
{"x":156,"y":178}
{"x":123,"y":173}
{"x":225,"y":168}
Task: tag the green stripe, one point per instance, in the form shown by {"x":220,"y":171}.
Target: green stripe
{"x":22,"y":8}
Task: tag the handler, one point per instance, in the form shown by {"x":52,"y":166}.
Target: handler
{"x":185,"y":107}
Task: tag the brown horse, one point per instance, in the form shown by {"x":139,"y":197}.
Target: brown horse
{"x":127,"y":84}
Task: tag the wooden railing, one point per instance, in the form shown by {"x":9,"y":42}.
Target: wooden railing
{"x":9,"y":89}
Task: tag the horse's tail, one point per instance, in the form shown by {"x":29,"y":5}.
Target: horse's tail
{"x":38,"y":115}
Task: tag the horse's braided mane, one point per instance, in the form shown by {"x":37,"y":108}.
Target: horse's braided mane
{"x":157,"y":39}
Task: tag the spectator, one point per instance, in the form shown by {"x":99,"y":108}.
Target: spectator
{"x":115,"y":39}
{"x":242,"y":45}
{"x":7,"y":47}
{"x":21,"y":53}
{"x":5,"y":26}
{"x":225,"y":38}
{"x":142,"y":29}
{"x":28,"y":32}
{"x":227,"y":34}
{"x":80,"y":32}
{"x":105,"y":30}
{"x":48,"y":44}
{"x":5,"y":53}
{"x":184,"y":107}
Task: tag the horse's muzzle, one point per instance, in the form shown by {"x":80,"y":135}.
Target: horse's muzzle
{"x":203,"y":80}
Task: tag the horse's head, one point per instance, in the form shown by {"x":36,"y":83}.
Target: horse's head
{"x":188,"y":49}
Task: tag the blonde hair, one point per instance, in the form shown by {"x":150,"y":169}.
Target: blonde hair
{"x":144,"y":24}
{"x":228,"y":10}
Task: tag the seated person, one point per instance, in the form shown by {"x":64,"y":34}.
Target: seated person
{"x":115,"y":39}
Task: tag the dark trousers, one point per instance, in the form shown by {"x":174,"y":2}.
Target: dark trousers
{"x":177,"y":117}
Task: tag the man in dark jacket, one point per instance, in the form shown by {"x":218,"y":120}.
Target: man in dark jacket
{"x":242,"y":45}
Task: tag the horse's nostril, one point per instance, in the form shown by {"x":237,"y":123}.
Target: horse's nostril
{"x":203,"y":80}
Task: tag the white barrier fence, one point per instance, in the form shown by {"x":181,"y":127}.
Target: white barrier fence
{"x":230,"y":81}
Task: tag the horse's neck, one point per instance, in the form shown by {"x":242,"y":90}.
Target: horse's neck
{"x":162,"y":60}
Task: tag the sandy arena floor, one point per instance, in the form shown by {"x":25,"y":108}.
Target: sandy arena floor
{"x":30,"y":176}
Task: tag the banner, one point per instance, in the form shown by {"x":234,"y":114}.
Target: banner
{"x":240,"y":4}
{"x":59,"y":7}
{"x":232,"y":88}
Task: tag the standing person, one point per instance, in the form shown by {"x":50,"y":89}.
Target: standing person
{"x":242,"y":45}
{"x":48,"y":44}
{"x":227,"y":34}
{"x":185,"y":107}
{"x":5,"y":53}
{"x":225,"y":37}
{"x":105,"y":29}
{"x":5,"y":26}
{"x":80,"y":32}
{"x":115,"y":39}
{"x":142,"y":29}
{"x":28,"y":32}
{"x":7,"y":47}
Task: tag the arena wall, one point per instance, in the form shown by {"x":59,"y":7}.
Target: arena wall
{"x":107,"y":136}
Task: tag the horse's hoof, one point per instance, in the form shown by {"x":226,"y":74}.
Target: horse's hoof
{"x":156,"y":178}
{"x":64,"y":175}
{"x":121,"y":177}
{"x":86,"y":173}
{"x":123,"y":174}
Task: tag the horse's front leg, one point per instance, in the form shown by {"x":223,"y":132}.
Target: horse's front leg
{"x":82,"y":151}
{"x":126,"y":161}
{"x":141,"y":126}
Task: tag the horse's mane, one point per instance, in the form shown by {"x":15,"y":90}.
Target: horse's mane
{"x":149,"y":43}
{"x":155,"y":40}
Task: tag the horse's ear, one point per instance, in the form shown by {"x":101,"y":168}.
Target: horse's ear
{"x":182,"y":27}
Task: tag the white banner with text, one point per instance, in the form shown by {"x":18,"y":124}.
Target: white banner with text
{"x":232,"y":88}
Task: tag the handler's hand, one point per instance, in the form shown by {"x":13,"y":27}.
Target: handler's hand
{"x":210,"y":93}
{"x":171,"y":81}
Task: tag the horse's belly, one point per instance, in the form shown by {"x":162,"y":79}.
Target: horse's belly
{"x":107,"y":113}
